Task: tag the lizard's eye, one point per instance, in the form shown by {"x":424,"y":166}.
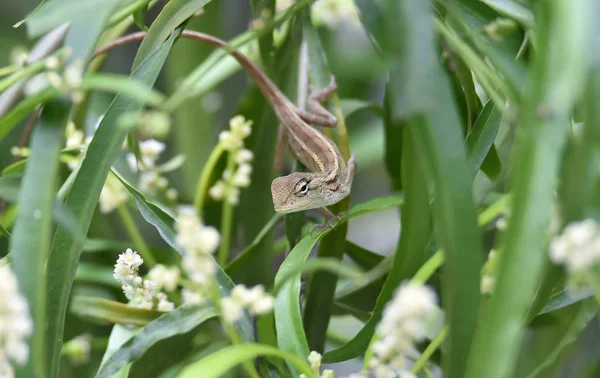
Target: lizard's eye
{"x":302,"y":188}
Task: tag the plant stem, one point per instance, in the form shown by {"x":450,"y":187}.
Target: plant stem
{"x":205,"y":176}
{"x":433,"y":345}
{"x":429,"y":268}
{"x":27,"y":71}
{"x":135,"y":235}
{"x":226,"y":222}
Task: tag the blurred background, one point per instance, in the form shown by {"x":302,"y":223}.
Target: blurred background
{"x":360,"y":76}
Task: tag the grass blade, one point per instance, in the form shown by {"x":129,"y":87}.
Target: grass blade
{"x":555,"y":79}
{"x":31,"y":238}
{"x":82,"y":200}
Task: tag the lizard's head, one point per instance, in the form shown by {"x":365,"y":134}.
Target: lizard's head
{"x":296,"y":192}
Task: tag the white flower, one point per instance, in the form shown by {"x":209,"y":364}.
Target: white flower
{"x":165,"y":277}
{"x":240,"y":127}
{"x":74,"y":137}
{"x":193,"y":236}
{"x":328,"y":373}
{"x":74,"y":73}
{"x":578,"y":247}
{"x":218,"y":191}
{"x":255,"y":299}
{"x":233,"y":196}
{"x":123,"y":272}
{"x":130,"y":258}
{"x":165,"y":306}
{"x":244,"y":156}
{"x":150,"y":149}
{"x":334,"y":12}
{"x":151,"y":182}
{"x":230,"y":141}
{"x":191,"y":296}
{"x":200,"y":269}
{"x":232,"y":310}
{"x":401,"y":327}
{"x":171,"y":194}
{"x":15,"y":323}
{"x":113,"y":195}
{"x":314,"y":358}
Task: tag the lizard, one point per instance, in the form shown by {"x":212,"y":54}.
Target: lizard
{"x":329,"y":179}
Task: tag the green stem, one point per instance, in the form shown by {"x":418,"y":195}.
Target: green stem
{"x":27,"y":71}
{"x":135,"y":235}
{"x":226,"y":222}
{"x":432,"y":347}
{"x":429,"y":268}
{"x":9,"y":69}
{"x":205,"y":176}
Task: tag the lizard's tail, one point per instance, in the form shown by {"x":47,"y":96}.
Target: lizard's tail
{"x":265,"y":84}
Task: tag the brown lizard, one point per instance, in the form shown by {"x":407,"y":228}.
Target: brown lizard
{"x":329,"y":179}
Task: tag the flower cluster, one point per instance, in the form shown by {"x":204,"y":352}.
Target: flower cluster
{"x":334,"y":12}
{"x":164,"y":277}
{"x":578,"y":247}
{"x":113,"y":194}
{"x":152,"y":180}
{"x":70,"y":80}
{"x":314,"y":358}
{"x":238,"y":171}
{"x":15,"y":323}
{"x":200,"y":242}
{"x":401,"y":326}
{"x":143,"y":293}
{"x":255,"y":300}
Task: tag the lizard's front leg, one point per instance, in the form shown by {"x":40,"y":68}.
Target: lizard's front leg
{"x":320,"y":115}
{"x":329,"y":219}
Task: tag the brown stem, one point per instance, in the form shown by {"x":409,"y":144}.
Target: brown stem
{"x":120,"y":42}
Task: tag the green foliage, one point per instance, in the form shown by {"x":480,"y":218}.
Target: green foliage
{"x":480,"y":133}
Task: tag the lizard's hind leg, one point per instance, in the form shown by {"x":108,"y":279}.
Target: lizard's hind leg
{"x":280,"y":148}
{"x":320,"y":115}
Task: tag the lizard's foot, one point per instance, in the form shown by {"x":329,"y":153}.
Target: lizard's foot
{"x":321,"y":227}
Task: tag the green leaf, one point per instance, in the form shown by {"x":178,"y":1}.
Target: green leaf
{"x":174,"y":13}
{"x":322,"y":263}
{"x":24,"y":108}
{"x":481,"y":138}
{"x":53,"y":13}
{"x":96,"y":273}
{"x":554,"y":348}
{"x":235,"y":268}
{"x":423,"y":99}
{"x":513,"y":9}
{"x":556,"y":78}
{"x":218,"y":363}
{"x":411,"y":252}
{"x":139,"y":15}
{"x":106,"y":311}
{"x":164,"y":223}
{"x":30,"y":243}
{"x":82,"y":199}
{"x":288,"y":318}
{"x":179,"y":321}
{"x":124,"y":86}
{"x":361,"y":256}
{"x":99,"y":245}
